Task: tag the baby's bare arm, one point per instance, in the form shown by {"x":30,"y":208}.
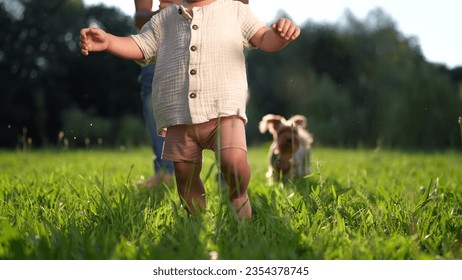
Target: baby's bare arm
{"x":96,"y":40}
{"x":277,"y":37}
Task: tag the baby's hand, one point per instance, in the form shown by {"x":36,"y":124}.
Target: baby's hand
{"x":93,"y":40}
{"x":286,"y":29}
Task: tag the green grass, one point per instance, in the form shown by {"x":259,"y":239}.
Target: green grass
{"x":357,"y":204}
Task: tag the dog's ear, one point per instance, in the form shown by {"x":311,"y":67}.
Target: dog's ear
{"x":270,"y":122}
{"x":299,"y":120}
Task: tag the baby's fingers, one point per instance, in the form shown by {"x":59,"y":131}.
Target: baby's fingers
{"x":83,"y":49}
{"x":84,"y":41}
{"x":286,"y":29}
{"x":292,"y":33}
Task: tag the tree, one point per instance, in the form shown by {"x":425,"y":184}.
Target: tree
{"x":359,"y":84}
{"x":45,"y":75}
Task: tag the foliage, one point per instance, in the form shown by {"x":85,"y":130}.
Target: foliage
{"x":82,"y":129}
{"x":360,"y":83}
{"x":44,"y":74}
{"x":357,"y":204}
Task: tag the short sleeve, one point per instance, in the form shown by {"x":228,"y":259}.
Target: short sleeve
{"x":148,"y":40}
{"x":250,"y":24}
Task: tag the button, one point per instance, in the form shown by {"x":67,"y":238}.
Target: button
{"x":193,"y":48}
{"x":192,"y":95}
{"x":180,"y":11}
{"x":195,"y":27}
{"x":193,"y":72}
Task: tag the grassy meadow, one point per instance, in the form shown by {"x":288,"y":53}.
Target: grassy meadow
{"x":357,"y":204}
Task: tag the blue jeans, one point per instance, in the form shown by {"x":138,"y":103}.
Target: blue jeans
{"x":157,"y":142}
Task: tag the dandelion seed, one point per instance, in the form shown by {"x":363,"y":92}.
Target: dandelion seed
{"x":291,"y":195}
{"x":427,"y":236}
{"x":435,"y":186}
{"x":213,"y":255}
{"x":460,"y":124}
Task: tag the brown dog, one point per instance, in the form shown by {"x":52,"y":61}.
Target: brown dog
{"x":289,"y":154}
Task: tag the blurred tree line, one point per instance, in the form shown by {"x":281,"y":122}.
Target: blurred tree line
{"x":359,"y":83}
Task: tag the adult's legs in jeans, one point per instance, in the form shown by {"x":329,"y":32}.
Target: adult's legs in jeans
{"x":160,"y":167}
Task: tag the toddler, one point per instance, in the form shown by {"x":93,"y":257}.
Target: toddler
{"x":200,"y":85}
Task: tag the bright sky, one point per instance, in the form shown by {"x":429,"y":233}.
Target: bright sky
{"x":436,"y":26}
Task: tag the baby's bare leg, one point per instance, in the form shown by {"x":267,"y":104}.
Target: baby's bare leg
{"x":190,"y":187}
{"x":236,"y":171}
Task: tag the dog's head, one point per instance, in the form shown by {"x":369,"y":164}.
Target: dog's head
{"x":286,"y":133}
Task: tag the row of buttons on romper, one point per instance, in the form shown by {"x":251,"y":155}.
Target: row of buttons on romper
{"x":193,"y":49}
